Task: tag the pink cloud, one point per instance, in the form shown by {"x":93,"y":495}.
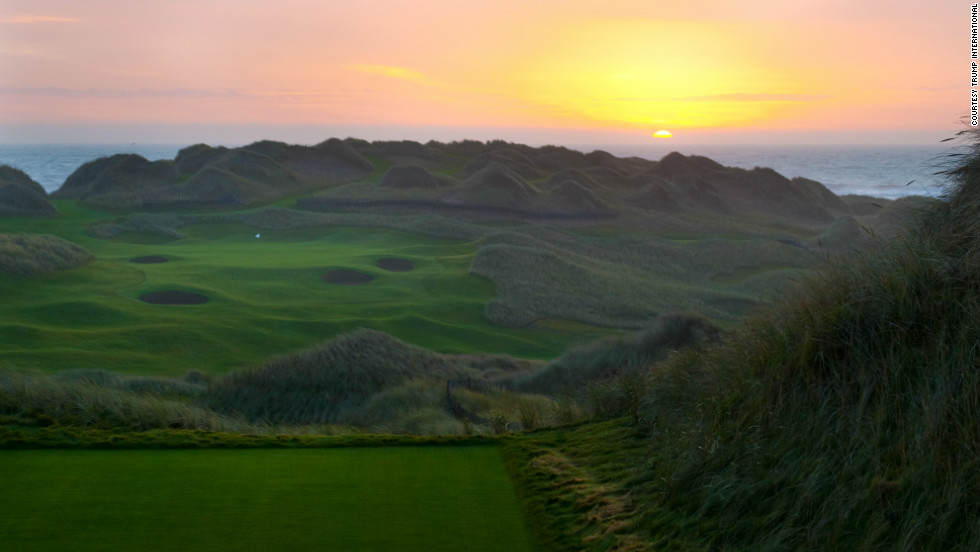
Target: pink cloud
{"x":37,"y":19}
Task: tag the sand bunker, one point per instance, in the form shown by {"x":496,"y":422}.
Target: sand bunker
{"x":394,"y":264}
{"x":150,"y":259}
{"x":174,"y":298}
{"x":346,"y":276}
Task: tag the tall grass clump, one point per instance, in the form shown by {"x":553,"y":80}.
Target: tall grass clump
{"x":845,"y":417}
{"x":35,"y":254}
{"x":322,"y":383}
{"x":607,"y":376}
{"x":162,"y":225}
{"x":98,"y":399}
{"x":415,"y":407}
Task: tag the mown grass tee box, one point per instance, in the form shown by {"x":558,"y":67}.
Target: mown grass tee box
{"x":391,"y":498}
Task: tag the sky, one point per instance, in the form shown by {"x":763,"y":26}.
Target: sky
{"x":563,"y":72}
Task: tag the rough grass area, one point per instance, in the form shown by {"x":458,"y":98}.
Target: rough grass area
{"x":844,"y":417}
{"x":627,"y":279}
{"x":579,"y":369}
{"x":108,"y":400}
{"x":333,"y":382}
{"x":396,"y":498}
{"x":34,"y":255}
{"x":366,"y":381}
{"x":576,"y":485}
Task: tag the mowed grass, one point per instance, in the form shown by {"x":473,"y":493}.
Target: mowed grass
{"x":267,"y":296}
{"x":391,"y":498}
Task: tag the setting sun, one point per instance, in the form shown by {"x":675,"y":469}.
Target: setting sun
{"x":662,"y":134}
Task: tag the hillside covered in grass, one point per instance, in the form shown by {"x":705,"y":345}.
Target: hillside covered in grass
{"x":365,"y":381}
{"x":844,"y":417}
{"x":21,"y":195}
{"x":568,"y":240}
{"x":463,"y":180}
{"x":202,"y":176}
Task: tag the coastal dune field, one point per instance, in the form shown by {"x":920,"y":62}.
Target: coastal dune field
{"x":662,"y":354}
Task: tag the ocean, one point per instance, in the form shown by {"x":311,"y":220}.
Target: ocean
{"x":879,"y":171}
{"x":51,"y":164}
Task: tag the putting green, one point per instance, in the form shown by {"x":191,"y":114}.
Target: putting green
{"x":392,"y":498}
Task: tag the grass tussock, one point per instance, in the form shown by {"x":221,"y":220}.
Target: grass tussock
{"x":365,"y":378}
{"x":575,"y":482}
{"x":317,"y":385}
{"x":36,"y":254}
{"x":582,"y":369}
{"x":98,"y":399}
{"x":161,"y":225}
{"x":411,"y":408}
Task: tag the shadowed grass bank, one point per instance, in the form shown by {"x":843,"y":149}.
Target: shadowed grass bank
{"x":844,"y":417}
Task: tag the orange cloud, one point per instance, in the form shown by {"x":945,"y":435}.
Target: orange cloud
{"x":390,"y":71}
{"x":759,"y":97}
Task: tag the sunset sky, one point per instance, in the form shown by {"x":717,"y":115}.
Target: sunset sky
{"x":568,"y":71}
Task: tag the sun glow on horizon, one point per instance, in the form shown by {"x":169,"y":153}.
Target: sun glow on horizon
{"x":622,"y":67}
{"x":391,"y":72}
{"x":651,"y":72}
{"x":663,"y":134}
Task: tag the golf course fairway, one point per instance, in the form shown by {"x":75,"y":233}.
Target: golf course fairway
{"x":390,"y":498}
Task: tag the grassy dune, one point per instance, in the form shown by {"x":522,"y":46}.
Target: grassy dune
{"x":34,"y":255}
{"x":364,"y":381}
{"x":844,"y":417}
{"x":330,"y":383}
{"x":626,"y":280}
